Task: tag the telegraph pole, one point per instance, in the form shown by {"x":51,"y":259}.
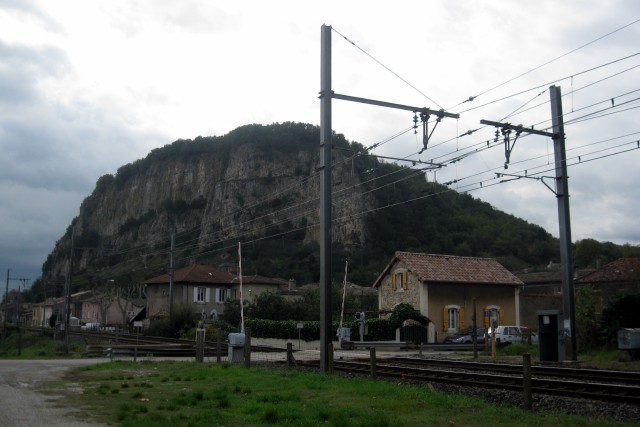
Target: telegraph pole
{"x":326,"y":95}
{"x":171,"y":277}
{"x":325,"y":199}
{"x":68,"y":296}
{"x":564,"y":220}
{"x":6,"y":302}
{"x":562,"y":196}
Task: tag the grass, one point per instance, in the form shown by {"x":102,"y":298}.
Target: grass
{"x":36,"y":346}
{"x":189,"y":394}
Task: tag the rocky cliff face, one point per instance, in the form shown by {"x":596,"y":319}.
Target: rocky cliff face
{"x":228,"y":191}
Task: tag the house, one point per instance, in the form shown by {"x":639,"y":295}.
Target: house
{"x":613,"y":280}
{"x":444,"y":288}
{"x":205,"y":289}
{"x":254,"y":285}
{"x":42,"y":311}
{"x":542,"y":291}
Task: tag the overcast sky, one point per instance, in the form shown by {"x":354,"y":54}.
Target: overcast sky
{"x":88,"y":86}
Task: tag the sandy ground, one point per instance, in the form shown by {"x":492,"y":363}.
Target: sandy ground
{"x":23,"y":405}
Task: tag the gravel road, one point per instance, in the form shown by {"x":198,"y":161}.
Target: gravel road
{"x":22,"y":405}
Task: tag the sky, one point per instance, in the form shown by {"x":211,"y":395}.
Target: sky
{"x":88,"y":86}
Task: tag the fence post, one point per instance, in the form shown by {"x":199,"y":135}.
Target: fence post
{"x":200,"y":334}
{"x":330,"y":358}
{"x":291,"y":362}
{"x":219,"y":346}
{"x":247,"y":347}
{"x":372,"y":357}
{"x":135,"y":354}
{"x":526,"y":380}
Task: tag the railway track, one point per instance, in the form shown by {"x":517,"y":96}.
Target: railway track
{"x":601,"y":389}
{"x":594,"y":375}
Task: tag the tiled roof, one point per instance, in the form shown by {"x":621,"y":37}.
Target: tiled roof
{"x":259,"y":280}
{"x":620,"y":270}
{"x":195,"y":273}
{"x":454,"y":269}
{"x":547,"y":277}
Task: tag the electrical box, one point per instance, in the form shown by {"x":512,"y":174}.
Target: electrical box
{"x":236,"y":348}
{"x":629,"y":339}
{"x":551,"y":336}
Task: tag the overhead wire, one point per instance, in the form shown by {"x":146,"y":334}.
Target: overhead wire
{"x":472,"y":98}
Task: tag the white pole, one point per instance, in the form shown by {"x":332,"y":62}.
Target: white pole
{"x":240,"y":279}
{"x":344,"y":293}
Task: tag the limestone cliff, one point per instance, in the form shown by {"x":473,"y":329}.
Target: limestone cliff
{"x":254,"y":183}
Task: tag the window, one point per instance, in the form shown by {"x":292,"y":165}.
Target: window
{"x":200,"y":294}
{"x":399,"y":281}
{"x":493,"y":314}
{"x":221,"y":295}
{"x":452,"y":318}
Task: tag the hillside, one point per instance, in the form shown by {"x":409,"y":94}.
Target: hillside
{"x":259,"y":185}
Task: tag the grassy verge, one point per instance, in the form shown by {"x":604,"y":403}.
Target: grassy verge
{"x":36,"y":346}
{"x":189,"y":394}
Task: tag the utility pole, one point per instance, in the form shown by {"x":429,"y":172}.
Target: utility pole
{"x":171,"y":277}
{"x":562,"y":196}
{"x":564,"y":220}
{"x":68,"y":296}
{"x":325,"y":199}
{"x":6,"y":302}
{"x":326,"y":95}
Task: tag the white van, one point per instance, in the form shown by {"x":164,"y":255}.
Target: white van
{"x":513,"y":334}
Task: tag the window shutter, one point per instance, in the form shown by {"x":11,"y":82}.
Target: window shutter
{"x":393,"y":281}
{"x":461,"y":318}
{"x":207,"y":296}
{"x":502,"y":316}
{"x":445,"y":319}
{"x":217,"y":295}
{"x":195,"y":294}
{"x":404,"y":280}
{"x":486,"y":318}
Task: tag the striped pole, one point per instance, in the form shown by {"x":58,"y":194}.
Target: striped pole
{"x":241,"y":297}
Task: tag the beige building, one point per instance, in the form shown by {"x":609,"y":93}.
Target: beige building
{"x":444,"y":288}
{"x":205,"y":289}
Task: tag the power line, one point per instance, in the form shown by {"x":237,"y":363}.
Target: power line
{"x":386,"y":68}
{"x":472,"y":98}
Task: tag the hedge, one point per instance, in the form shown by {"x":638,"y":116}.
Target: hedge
{"x":379,"y":329}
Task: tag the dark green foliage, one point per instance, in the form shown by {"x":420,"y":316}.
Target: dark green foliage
{"x":405,"y":311}
{"x":379,"y":329}
{"x":623,"y":313}
{"x":183,"y":319}
{"x":588,"y":253}
{"x":587,"y":327}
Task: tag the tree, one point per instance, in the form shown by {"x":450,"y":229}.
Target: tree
{"x":231,"y":314}
{"x":128,"y":293}
{"x":587,"y":327}
{"x":405,"y":311}
{"x":623,"y":313}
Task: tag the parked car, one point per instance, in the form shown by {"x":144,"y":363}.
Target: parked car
{"x":468,"y":338}
{"x":506,"y":334}
{"x":90,"y":326}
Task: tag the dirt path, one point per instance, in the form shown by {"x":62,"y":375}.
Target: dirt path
{"x":22,"y":405}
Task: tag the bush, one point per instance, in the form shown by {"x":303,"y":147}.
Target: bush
{"x":379,"y":329}
{"x":182,"y":320}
